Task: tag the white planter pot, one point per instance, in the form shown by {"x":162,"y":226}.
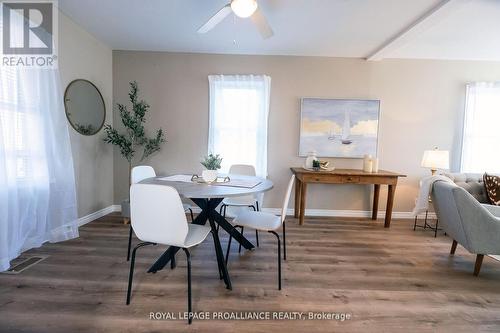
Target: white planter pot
{"x":209,"y":175}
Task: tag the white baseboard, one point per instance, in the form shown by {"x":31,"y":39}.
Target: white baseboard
{"x":320,"y":213}
{"x":95,"y":215}
{"x":348,"y":213}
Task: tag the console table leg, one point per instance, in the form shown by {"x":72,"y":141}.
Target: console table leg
{"x":376,"y":194}
{"x":390,"y":202}
{"x":303,"y":191}
{"x":298,"y":186}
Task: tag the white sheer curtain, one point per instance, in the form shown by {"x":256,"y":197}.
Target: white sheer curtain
{"x":239,"y":109}
{"x":481,"y":133}
{"x":37,"y":184}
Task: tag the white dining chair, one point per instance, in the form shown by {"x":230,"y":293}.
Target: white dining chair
{"x":269,"y":222}
{"x":249,"y":201}
{"x":138,"y":174}
{"x":158,"y":217}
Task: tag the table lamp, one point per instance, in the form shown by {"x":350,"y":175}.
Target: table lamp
{"x":436,"y":159}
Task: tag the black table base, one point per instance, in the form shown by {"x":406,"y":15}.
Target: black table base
{"x":208,"y":213}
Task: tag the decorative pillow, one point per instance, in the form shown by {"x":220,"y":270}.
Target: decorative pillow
{"x":492,"y":185}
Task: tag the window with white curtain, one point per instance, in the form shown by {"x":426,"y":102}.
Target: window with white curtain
{"x":37,"y":181}
{"x":16,"y":121}
{"x":481,"y":133}
{"x":239,"y":109}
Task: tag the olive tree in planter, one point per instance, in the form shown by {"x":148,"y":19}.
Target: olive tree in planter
{"x":133,"y":138}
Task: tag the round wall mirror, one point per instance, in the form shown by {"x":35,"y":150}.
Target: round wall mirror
{"x":84,"y":106}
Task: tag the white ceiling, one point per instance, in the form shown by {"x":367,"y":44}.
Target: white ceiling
{"x":463,"y":29}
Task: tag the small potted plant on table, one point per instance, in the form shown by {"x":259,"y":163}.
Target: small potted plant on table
{"x":212,"y":163}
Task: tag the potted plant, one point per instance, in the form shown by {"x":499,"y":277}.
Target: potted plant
{"x":133,"y":138}
{"x":212,"y":163}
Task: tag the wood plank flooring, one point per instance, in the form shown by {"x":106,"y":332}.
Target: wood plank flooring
{"x":388,"y":280}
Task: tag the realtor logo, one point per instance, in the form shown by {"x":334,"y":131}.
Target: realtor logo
{"x":28,"y":33}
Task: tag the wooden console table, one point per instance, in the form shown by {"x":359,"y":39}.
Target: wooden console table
{"x":346,"y":176}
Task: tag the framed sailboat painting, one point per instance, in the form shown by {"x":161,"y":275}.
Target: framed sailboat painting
{"x":339,"y":127}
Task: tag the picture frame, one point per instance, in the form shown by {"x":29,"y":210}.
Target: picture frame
{"x":340,"y":128}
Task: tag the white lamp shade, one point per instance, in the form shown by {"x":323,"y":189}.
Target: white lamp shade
{"x":436,"y":159}
{"x":244,"y":8}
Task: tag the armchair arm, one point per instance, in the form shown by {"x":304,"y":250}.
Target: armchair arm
{"x":494,"y":210}
{"x":481,"y":223}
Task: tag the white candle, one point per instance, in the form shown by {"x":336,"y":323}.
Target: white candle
{"x":367,"y":165}
{"x":375,"y":165}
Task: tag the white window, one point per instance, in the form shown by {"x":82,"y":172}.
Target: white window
{"x":20,"y":132}
{"x":239,"y":108}
{"x":13,"y":123}
{"x":481,"y":133}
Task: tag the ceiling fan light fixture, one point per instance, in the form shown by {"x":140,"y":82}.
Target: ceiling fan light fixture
{"x":244,"y":8}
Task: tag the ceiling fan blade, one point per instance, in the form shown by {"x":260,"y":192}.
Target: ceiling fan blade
{"x":262,"y":25}
{"x":216,"y":19}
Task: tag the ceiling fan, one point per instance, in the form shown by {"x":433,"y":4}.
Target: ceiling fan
{"x":243,"y":9}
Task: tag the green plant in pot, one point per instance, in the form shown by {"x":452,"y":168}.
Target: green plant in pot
{"x":316,"y":164}
{"x":212,"y":163}
{"x":133,"y":137}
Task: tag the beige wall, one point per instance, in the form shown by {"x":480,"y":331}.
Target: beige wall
{"x":421,"y":107}
{"x":81,"y":56}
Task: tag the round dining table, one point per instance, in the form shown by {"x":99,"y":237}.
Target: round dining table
{"x":208,"y":197}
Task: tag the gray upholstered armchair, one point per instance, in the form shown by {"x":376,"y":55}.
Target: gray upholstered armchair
{"x":473,"y":225}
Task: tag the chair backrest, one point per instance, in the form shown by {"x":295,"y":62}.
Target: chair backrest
{"x":141,"y":172}
{"x":242,"y":169}
{"x":157,"y":214}
{"x":287,"y":198}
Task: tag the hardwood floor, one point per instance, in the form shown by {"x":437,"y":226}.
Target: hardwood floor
{"x":390,"y":280}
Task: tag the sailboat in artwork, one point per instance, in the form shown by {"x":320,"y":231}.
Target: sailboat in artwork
{"x":346,"y":129}
{"x":331,"y":136}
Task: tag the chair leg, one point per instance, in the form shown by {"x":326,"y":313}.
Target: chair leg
{"x":228,"y":248}
{"x":415,"y":224}
{"x":479,"y":262}
{"x":425,"y":221}
{"x":192,"y":216}
{"x":190,"y":310}
{"x":129,"y":242}
{"x":222,"y":207}
{"x":453,"y":247}
{"x":239,"y":248}
{"x":132,"y":263}
{"x":224,"y":215}
{"x":229,"y":243}
{"x":436,"y":230}
{"x":255,"y":209}
{"x":279,"y":258}
{"x":173,"y":262}
{"x":230,"y":237}
{"x":284,"y":241}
